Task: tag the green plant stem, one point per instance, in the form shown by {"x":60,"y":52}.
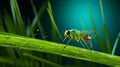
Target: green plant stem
{"x":56,"y":48}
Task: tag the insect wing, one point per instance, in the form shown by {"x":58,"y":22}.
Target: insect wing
{"x":91,"y":33}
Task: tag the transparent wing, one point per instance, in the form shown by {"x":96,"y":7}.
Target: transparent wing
{"x":91,"y":33}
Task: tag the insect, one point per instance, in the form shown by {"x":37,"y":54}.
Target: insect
{"x":84,"y":37}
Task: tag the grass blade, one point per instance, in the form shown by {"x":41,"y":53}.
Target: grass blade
{"x":39,"y":15}
{"x":52,"y":19}
{"x":38,"y":23}
{"x":115,"y":44}
{"x":102,"y":46}
{"x":8,"y":22}
{"x":105,"y":29}
{"x":17,"y":17}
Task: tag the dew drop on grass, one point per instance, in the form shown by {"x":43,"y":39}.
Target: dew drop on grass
{"x":40,"y":47}
{"x":37,"y":30}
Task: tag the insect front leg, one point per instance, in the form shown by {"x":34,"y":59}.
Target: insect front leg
{"x":67,"y":43}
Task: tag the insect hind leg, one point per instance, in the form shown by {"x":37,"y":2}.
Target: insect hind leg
{"x":86,"y":44}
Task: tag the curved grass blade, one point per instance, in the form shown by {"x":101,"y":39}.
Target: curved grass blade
{"x":17,"y":17}
{"x":115,"y":44}
{"x":39,"y":15}
{"x":49,"y":9}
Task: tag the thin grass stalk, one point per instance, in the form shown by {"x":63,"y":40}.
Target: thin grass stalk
{"x":13,"y":12}
{"x":115,"y":44}
{"x":17,"y":17}
{"x":49,"y":9}
{"x":105,"y":29}
{"x":39,"y":15}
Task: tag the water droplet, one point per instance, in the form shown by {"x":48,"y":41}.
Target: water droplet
{"x":3,"y":39}
{"x":40,"y":47}
{"x":20,"y":48}
{"x":76,"y":55}
{"x":37,"y":30}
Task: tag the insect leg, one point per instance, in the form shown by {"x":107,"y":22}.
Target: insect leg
{"x":86,"y":44}
{"x":95,"y":35}
{"x":91,"y":44}
{"x":82,"y":44}
{"x":67,"y":43}
{"x":88,"y":47}
{"x":64,"y":39}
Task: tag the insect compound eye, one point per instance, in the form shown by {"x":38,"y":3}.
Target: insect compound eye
{"x":68,"y":32}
